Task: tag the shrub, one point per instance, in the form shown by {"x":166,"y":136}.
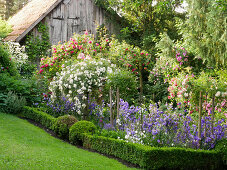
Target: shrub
{"x":112,"y":134}
{"x":154,"y":158}
{"x":62,"y":125}
{"x":18,"y":55}
{"x":2,"y":101}
{"x":11,"y":81}
{"x":38,"y":116}
{"x":6,"y":65}
{"x":5,"y":28}
{"x":156,"y":89}
{"x":13,"y":103}
{"x":221,"y":147}
{"x":26,"y":88}
{"x":126,"y":81}
{"x":78,"y":129}
{"x":79,"y":80}
{"x":79,"y":45}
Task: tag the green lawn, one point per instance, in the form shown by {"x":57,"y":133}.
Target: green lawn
{"x":25,"y":146}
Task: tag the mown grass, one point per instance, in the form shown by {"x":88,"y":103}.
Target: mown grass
{"x":25,"y":146}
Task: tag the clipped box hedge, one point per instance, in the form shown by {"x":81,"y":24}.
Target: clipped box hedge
{"x":154,"y":158}
{"x":38,"y":116}
{"x":78,"y":129}
{"x":145,"y":156}
{"x":62,"y":125}
{"x":221,"y":147}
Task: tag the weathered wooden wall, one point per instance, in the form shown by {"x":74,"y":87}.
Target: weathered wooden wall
{"x":75,"y":16}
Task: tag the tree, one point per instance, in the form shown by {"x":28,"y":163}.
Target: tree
{"x":204,"y":31}
{"x":5,"y":29}
{"x":147,"y":20}
{"x":10,"y":7}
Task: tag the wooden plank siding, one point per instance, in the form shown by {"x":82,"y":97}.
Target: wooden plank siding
{"x":74,"y":16}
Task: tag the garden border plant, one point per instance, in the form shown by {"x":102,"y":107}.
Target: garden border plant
{"x":155,"y":158}
{"x":38,"y":116}
{"x":144,"y":156}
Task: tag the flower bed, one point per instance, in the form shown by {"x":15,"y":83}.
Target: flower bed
{"x":144,"y":156}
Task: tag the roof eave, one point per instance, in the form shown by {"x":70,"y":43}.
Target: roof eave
{"x":21,"y":36}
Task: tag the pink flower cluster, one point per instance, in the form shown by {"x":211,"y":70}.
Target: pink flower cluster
{"x":179,"y":89}
{"x":181,"y":55}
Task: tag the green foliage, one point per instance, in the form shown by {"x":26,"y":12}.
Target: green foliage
{"x":2,"y":101}
{"x":84,"y":47}
{"x":5,"y":29}
{"x":62,"y":125}
{"x":77,"y":131}
{"x":154,"y":158}
{"x":156,"y":88}
{"x":13,"y":103}
{"x":165,"y":45}
{"x":221,"y":147}
{"x":125,"y":81}
{"x":112,"y":134}
{"x":36,"y":47}
{"x":171,"y":54}
{"x":38,"y":116}
{"x":131,"y":57}
{"x":204,"y":31}
{"x":146,"y":20}
{"x":209,"y":83}
{"x":26,"y":88}
{"x":105,"y":5}
{"x":10,"y":7}
{"x":28,"y":69}
{"x":6,"y":65}
{"x":10,"y":79}
{"x":20,"y":58}
{"x":222,"y":77}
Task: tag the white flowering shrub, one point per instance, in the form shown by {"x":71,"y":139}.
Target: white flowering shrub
{"x":78,"y":81}
{"x":18,"y":53}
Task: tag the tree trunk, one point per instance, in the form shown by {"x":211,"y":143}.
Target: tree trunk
{"x":212,"y":118}
{"x":200,"y":117}
{"x":118,"y":102}
{"x":141,"y":83}
{"x":111,"y":113}
{"x":205,"y":135}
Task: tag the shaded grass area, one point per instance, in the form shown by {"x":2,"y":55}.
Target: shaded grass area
{"x":25,"y":146}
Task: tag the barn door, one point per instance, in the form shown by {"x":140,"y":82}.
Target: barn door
{"x":57,"y":24}
{"x":80,"y":16}
{"x":86,"y":11}
{"x":56,"y":31}
{"x":73,"y":17}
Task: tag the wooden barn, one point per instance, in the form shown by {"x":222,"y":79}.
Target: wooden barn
{"x":63,"y":18}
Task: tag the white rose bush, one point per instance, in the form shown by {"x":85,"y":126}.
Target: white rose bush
{"x":17,"y":53}
{"x":81,"y":81}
